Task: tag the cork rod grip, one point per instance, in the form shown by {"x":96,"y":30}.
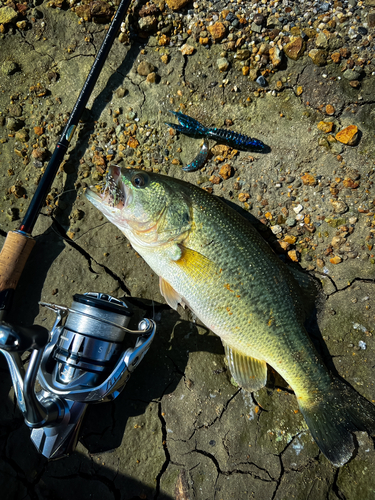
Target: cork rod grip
{"x":13,"y":257}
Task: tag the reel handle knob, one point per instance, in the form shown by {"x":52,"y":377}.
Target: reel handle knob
{"x":20,"y":338}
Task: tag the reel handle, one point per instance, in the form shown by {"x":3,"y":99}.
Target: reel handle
{"x":20,"y":339}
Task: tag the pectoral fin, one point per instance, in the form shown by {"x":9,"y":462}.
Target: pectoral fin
{"x":196,"y":264}
{"x":248,"y":372}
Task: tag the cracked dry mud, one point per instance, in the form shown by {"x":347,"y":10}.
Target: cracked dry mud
{"x":180,"y":429}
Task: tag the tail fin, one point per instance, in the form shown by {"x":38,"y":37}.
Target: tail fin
{"x":188,"y":125}
{"x":333,"y":419}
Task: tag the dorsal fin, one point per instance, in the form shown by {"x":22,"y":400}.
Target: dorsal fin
{"x":308,"y":285}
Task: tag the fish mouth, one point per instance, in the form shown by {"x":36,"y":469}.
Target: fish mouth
{"x":114,"y":193}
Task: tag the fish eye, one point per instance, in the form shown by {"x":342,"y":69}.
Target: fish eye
{"x":139,"y":180}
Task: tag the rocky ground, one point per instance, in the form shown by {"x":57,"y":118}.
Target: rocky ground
{"x":297,"y":75}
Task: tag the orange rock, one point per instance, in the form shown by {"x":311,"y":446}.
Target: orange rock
{"x":243,"y":196}
{"x":335,"y":260}
{"x":226,"y":171}
{"x":204,"y":41}
{"x":290,"y":239}
{"x":325,"y":127}
{"x":308,"y":180}
{"x":336,"y":56}
{"x":164,"y":40}
{"x":284,"y":245}
{"x":279,"y":85}
{"x":299,"y":90}
{"x":355,"y":84}
{"x":215,"y":179}
{"x":133,"y":143}
{"x":348,"y":135}
{"x":349,"y":183}
{"x":177,"y":4}
{"x":293,"y":255}
{"x":38,"y":130}
{"x":295,"y":49}
{"x":330,"y":110}
{"x":217,"y":31}
{"x":268,"y":215}
{"x":245,"y":70}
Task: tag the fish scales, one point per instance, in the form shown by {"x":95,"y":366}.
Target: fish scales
{"x":251,"y":301}
{"x":210,"y":258}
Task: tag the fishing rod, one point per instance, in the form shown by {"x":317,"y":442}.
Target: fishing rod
{"x":84,"y":358}
{"x":19,"y":243}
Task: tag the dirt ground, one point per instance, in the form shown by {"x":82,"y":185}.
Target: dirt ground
{"x":181,"y":430}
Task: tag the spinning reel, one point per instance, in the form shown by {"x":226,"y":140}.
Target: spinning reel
{"x":82,"y":360}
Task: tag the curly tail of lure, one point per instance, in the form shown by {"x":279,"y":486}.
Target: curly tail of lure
{"x":192,"y":128}
{"x":189,"y":126}
{"x":199,"y":160}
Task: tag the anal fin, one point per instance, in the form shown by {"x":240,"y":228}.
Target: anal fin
{"x":250,"y":373}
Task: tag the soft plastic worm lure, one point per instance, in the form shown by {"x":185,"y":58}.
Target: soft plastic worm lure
{"x":199,"y":160}
{"x":192,"y":128}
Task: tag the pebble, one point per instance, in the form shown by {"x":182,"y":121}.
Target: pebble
{"x":186,"y":50}
{"x":352,"y":255}
{"x":261,"y":81}
{"x":321,"y":40}
{"x":226,"y":171}
{"x":242,"y":54}
{"x":9,"y":68}
{"x":293,"y":255}
{"x":151,"y":77}
{"x":290,"y":239}
{"x":318,"y":57}
{"x":298,"y":209}
{"x":351,"y":74}
{"x":335,"y":260}
{"x":13,"y":124}
{"x":339,"y":206}
{"x":295,"y":49}
{"x":177,"y":4}
{"x":349,"y":135}
{"x":222,"y":64}
{"x":148,"y":23}
{"x":325,"y":127}
{"x":290,"y":221}
{"x":7,"y":15}
{"x":362,"y":345}
{"x":217,"y":31}
{"x":145,"y":68}
{"x":275,"y":55}
{"x":336,"y":148}
{"x":308,"y":180}
{"x":276,"y":229}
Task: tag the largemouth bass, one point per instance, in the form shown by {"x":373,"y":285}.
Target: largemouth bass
{"x":210,"y":258}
